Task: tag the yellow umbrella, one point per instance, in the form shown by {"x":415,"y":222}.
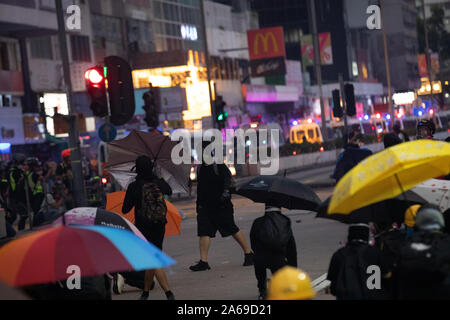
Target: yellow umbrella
{"x":389,"y":173}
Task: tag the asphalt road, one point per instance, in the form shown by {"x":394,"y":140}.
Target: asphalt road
{"x":316,"y":240}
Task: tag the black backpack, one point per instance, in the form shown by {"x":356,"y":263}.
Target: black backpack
{"x":275,"y":232}
{"x":351,"y":281}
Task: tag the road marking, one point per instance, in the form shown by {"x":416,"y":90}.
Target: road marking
{"x":319,"y":279}
{"x":320,"y":283}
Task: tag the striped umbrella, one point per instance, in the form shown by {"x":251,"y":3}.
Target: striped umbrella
{"x":51,"y":255}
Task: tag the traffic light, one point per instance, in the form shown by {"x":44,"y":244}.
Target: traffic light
{"x":96,"y":88}
{"x":221,"y":114}
{"x":337,"y":109}
{"x":120,"y":90}
{"x":152,"y":106}
{"x":350,"y":99}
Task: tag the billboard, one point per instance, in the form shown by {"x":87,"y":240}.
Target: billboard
{"x":326,"y":50}
{"x":307,"y":50}
{"x":422,"y":61}
{"x":434,"y":61}
{"x":267,"y":52}
{"x":11,"y":126}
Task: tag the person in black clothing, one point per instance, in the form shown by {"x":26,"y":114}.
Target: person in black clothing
{"x":36,"y":183}
{"x":424,"y":260}
{"x":215,"y":211}
{"x":96,"y":288}
{"x":351,"y":156}
{"x":390,"y":140}
{"x":402,"y":135}
{"x":348,"y":271}
{"x":271,"y":254}
{"x":389,"y":241}
{"x":17,"y":192}
{"x":153,"y":231}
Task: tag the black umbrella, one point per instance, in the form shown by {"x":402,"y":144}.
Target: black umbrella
{"x":383,"y":212}
{"x":288,"y":193}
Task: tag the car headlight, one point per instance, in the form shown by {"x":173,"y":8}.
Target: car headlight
{"x":193,"y":176}
{"x":233,"y":170}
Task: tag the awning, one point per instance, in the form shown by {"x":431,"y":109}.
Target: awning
{"x":264,"y":93}
{"x":361,"y":89}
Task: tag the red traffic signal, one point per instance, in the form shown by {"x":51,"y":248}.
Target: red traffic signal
{"x":96,"y":88}
{"x":94,"y":76}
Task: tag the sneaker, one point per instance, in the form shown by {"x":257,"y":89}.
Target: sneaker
{"x":118,"y":283}
{"x":262,"y":295}
{"x":170,"y":295}
{"x":248,"y":261}
{"x":144,"y":296}
{"x":200,"y":266}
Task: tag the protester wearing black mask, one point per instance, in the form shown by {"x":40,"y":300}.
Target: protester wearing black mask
{"x":145,"y":194}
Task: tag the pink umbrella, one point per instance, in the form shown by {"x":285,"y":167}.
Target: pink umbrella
{"x":100,"y":217}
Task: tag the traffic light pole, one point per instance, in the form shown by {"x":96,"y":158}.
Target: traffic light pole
{"x":317,"y":62}
{"x":344,"y":107}
{"x":427,"y":54}
{"x":74,"y":143}
{"x":386,"y":64}
{"x":207,"y":62}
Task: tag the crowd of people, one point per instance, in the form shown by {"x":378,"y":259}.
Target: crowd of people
{"x":33,"y":193}
{"x":413,"y":259}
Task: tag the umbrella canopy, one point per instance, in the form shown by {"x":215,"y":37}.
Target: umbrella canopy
{"x":383,"y":212}
{"x":114,"y":203}
{"x":44,"y":256}
{"x":436,"y":192}
{"x":96,"y":216}
{"x":123,"y":153}
{"x":288,"y":193}
{"x":389,"y":173}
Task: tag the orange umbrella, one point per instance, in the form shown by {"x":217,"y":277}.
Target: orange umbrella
{"x":114,"y":203}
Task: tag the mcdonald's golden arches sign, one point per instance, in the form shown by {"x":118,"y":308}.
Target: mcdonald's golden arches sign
{"x":266,"y":43}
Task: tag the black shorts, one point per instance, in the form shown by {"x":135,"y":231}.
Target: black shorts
{"x":209,"y":221}
{"x":153,"y":232}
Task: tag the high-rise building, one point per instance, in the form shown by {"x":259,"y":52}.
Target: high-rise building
{"x":227,"y":23}
{"x":347,"y":53}
{"x":31,"y":81}
{"x":444,"y":4}
{"x":400,"y":24}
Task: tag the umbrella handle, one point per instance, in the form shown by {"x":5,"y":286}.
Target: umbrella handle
{"x":401,"y":188}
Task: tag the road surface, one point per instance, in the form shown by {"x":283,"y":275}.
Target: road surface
{"x":316,"y":240}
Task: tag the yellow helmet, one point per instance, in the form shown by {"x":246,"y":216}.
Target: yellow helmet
{"x":410,"y":215}
{"x":290,"y":284}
